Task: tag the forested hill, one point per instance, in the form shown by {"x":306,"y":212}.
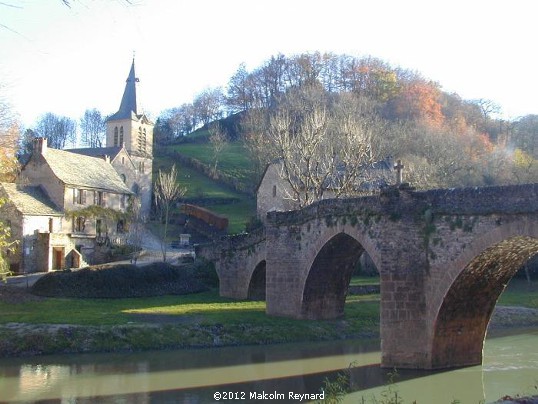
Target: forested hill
{"x":444,"y":139}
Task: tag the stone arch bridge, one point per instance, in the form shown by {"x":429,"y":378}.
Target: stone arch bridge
{"x":444,"y":257}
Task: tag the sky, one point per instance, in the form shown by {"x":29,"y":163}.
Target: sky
{"x":60,"y":59}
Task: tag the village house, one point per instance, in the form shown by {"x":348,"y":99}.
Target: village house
{"x":69,"y":206}
{"x":61,"y":208}
{"x":275,"y":194}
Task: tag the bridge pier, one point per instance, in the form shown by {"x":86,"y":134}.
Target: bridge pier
{"x":283,"y":273}
{"x":404,"y":336}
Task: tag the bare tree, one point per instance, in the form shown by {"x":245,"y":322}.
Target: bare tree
{"x":208,"y":105}
{"x":59,"y":130}
{"x":92,"y":128}
{"x":219,"y":141}
{"x":9,"y":140}
{"x":240,"y":91}
{"x":324,"y":143}
{"x":167,"y":192}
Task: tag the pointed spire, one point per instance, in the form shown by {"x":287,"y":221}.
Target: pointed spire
{"x":129,"y":103}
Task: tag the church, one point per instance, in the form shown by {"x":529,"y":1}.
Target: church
{"x":129,"y":144}
{"x":69,"y":206}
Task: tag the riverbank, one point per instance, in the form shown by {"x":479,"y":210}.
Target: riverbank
{"x":35,"y":325}
{"x":157,"y":331}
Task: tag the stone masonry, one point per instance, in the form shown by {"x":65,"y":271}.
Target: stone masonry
{"x":444,"y":257}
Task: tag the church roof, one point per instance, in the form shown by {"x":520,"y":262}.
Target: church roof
{"x":128,"y":106}
{"x":84,"y":171}
{"x":30,"y":200}
{"x":101,"y":152}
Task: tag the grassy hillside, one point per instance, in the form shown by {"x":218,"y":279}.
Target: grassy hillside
{"x":198,"y":185}
{"x":213,"y":195}
{"x":233,"y":160}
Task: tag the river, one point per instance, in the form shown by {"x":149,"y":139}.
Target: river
{"x":195,"y":376}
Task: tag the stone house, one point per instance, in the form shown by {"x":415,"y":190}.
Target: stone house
{"x":274,"y":192}
{"x":64,"y":208}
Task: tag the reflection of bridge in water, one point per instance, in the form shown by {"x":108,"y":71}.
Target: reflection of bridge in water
{"x":444,"y":257}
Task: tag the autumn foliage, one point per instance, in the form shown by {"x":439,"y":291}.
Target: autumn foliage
{"x":419,"y":101}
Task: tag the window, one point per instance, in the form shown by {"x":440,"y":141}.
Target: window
{"x":122,"y":201}
{"x":144,"y":140}
{"x":120,"y":227}
{"x":79,"y":196}
{"x":274,"y":191}
{"x":141,"y":139}
{"x":99,"y":198}
{"x":115,"y":136}
{"x":98,"y":226}
{"x":79,"y":223}
{"x":123,"y":178}
{"x":51,"y":225}
{"x":121,"y":136}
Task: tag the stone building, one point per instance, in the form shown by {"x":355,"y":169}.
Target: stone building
{"x":65,"y":206}
{"x":69,"y":205}
{"x":275,"y":194}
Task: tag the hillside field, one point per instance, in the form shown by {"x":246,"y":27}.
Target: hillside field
{"x":213,"y":195}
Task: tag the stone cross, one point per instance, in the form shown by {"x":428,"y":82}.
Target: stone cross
{"x":399,"y":172}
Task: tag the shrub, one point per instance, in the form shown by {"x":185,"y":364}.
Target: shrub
{"x":123,"y":280}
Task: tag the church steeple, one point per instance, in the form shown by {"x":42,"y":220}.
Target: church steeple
{"x":128,"y":103}
{"x":131,"y":130}
{"x":130,"y":127}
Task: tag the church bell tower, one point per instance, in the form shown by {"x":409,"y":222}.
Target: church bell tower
{"x":131,"y":129}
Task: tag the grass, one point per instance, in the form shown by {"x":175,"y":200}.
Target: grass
{"x":364,"y":280}
{"x":233,"y":160}
{"x":207,"y":308}
{"x":520,"y":293}
{"x":198,"y":320}
{"x":237,"y":213}
{"x":197,"y":184}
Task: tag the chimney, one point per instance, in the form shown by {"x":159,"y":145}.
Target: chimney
{"x":107,"y":158}
{"x":40,"y":145}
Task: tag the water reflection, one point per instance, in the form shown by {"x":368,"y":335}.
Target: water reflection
{"x":510,"y":367}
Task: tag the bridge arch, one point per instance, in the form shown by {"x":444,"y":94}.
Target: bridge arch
{"x":328,"y":272}
{"x":471,"y":288}
{"x":257,"y":284}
